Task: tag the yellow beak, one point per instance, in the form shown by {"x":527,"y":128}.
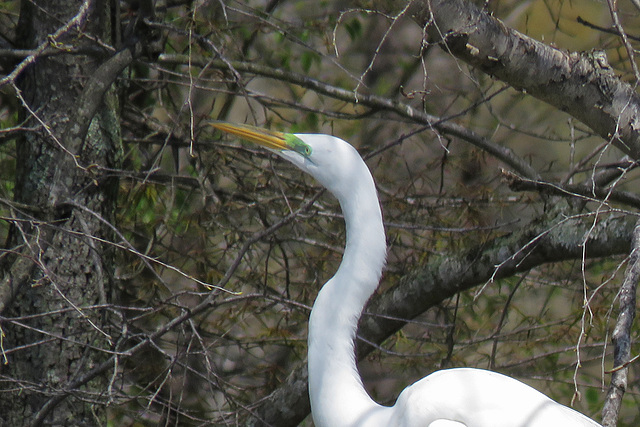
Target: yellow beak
{"x":267,"y":138}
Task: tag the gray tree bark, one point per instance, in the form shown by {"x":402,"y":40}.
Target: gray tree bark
{"x":582,"y":84}
{"x":57,"y":286}
{"x":550,"y":239}
{"x":622,"y":335}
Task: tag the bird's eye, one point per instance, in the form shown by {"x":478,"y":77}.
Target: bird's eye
{"x":298,"y":145}
{"x":303,"y":149}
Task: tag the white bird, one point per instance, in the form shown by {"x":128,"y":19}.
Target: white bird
{"x":450,"y":397}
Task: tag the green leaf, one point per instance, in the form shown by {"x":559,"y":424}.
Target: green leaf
{"x":354,"y":28}
{"x":308,"y":59}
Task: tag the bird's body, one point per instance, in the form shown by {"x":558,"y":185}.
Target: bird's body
{"x":451,"y":397}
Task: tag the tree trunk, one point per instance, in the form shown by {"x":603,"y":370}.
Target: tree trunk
{"x":56,"y":324}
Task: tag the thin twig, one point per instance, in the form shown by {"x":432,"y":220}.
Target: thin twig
{"x":77,"y":21}
{"x":621,"y":337}
{"x":588,"y":24}
{"x":579,"y":191}
{"x":183,"y":317}
{"x":613,"y":9}
{"x":374,"y":102}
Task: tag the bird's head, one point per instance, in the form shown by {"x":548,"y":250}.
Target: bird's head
{"x":330,"y":160}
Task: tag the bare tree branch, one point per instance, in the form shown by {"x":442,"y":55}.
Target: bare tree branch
{"x":581,"y":84}
{"x":92,"y":96}
{"x":374,"y":102}
{"x":77,"y":21}
{"x":622,"y":335}
{"x":581,"y":191}
{"x":551,"y":240}
{"x":198,"y":213}
{"x":183,"y":317}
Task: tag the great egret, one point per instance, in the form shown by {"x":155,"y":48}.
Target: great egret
{"x":450,"y":397}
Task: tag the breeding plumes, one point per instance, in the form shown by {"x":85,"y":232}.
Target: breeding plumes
{"x":450,"y":397}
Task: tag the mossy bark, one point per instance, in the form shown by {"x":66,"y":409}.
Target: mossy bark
{"x":57,"y":326}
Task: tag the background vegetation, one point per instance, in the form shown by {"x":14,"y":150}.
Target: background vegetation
{"x":509,"y":221}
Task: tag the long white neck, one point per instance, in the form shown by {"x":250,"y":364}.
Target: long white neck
{"x":338,"y":397}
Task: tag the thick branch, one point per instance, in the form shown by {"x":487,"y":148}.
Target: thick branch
{"x":622,"y":335}
{"x":581,"y":191}
{"x":92,"y":97}
{"x":582,"y":84}
{"x":550,"y":240}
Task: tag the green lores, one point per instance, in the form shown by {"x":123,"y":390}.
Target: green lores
{"x":296,"y":144}
{"x":267,"y":138}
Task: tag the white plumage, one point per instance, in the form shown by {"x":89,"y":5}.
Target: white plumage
{"x":451,"y":397}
